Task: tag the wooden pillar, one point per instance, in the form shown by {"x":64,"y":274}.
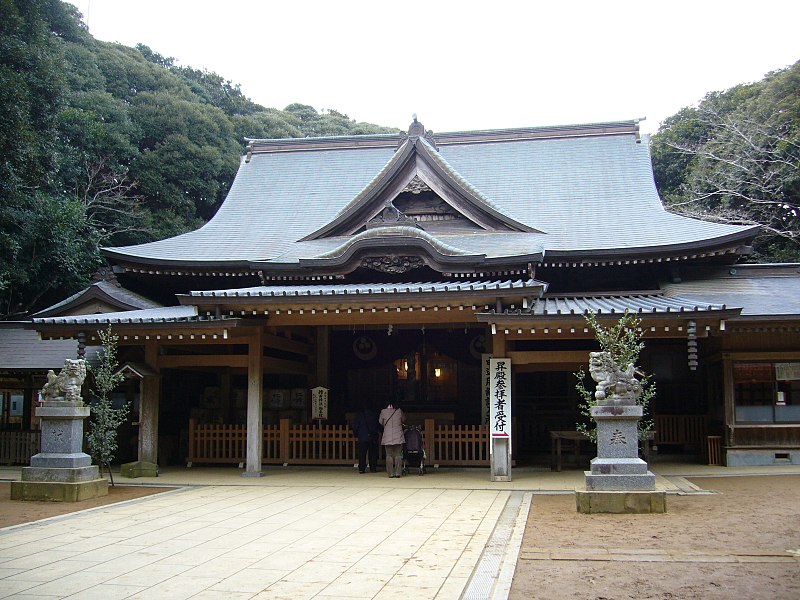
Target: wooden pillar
{"x":149,"y":407}
{"x":323,"y":356}
{"x":225,"y":394}
{"x":27,"y":404}
{"x":730,"y":409}
{"x":498,"y":343}
{"x":430,"y":432}
{"x":255,"y":401}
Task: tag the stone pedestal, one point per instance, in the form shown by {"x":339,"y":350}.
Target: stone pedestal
{"x":619,"y":481}
{"x":61,"y":472}
{"x":140,"y":468}
{"x":621,"y":502}
{"x":617,"y":466}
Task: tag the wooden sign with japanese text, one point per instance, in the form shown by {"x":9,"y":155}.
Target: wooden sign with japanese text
{"x":319,"y":404}
{"x":500,"y":398}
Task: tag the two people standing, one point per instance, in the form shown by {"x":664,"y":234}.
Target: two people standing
{"x":367,"y":428}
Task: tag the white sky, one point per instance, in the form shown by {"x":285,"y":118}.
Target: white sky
{"x":463,"y":64}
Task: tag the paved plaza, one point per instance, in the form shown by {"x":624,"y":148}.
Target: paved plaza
{"x":294,"y":533}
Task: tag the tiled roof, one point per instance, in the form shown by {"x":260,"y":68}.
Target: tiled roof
{"x":367,"y":289}
{"x":761,"y":290}
{"x":617,"y":304}
{"x":153,"y":315}
{"x":587,"y":192}
{"x":21,"y":349}
{"x":104,"y":290}
{"x":642,"y":305}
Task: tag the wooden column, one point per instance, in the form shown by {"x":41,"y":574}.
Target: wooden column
{"x":730,"y":408}
{"x":498,"y":341}
{"x":255,"y":401}
{"x":149,"y":407}
{"x":323,"y":357}
{"x":27,"y":404}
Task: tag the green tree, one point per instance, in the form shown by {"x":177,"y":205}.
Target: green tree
{"x":106,"y":145}
{"x":105,"y":418}
{"x":623,"y":342}
{"x":735,"y":158}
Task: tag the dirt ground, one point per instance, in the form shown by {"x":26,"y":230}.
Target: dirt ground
{"x":14,"y":512}
{"x":742,"y":542}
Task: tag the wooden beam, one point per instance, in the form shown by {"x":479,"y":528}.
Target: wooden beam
{"x":271,"y":365}
{"x":279,"y":365}
{"x":441,"y":316}
{"x":202,"y":360}
{"x":549,"y":357}
{"x":282,"y":343}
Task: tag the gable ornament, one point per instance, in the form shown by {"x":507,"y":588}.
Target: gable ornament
{"x":391,"y":216}
{"x":392,"y":263}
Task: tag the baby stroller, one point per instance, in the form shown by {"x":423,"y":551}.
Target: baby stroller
{"x":414,"y":451}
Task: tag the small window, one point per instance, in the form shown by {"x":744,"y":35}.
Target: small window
{"x":766,"y":392}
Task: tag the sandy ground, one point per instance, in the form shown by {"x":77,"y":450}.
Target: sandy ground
{"x":14,"y":512}
{"x":742,"y":542}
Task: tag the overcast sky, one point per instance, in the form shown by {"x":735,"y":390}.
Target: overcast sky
{"x":463,"y":65}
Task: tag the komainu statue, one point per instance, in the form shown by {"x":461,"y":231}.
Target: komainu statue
{"x":615,"y":386}
{"x":66,"y":386}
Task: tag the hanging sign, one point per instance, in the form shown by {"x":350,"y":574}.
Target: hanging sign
{"x":787,"y":371}
{"x":485,"y":379}
{"x":319,"y":404}
{"x":500,"y":398}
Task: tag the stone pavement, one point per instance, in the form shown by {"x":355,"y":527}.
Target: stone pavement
{"x":296,"y":533}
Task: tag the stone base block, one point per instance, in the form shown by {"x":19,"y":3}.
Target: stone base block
{"x":593,"y":502}
{"x":52,"y":491}
{"x":618,"y":466}
{"x":48,"y":475}
{"x":620,"y":483}
{"x":139,"y":468}
{"x":72,"y":460}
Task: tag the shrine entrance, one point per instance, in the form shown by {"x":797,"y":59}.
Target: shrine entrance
{"x":433,"y":373}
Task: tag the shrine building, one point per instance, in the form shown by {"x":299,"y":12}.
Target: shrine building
{"x":389,"y":267}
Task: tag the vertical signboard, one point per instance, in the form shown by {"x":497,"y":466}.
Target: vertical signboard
{"x":485,"y":391}
{"x":319,"y":404}
{"x":500,"y":398}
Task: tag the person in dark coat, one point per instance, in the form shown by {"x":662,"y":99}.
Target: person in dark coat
{"x":366,"y":431}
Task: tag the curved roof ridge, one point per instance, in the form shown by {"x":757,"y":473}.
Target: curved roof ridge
{"x":399,"y":231}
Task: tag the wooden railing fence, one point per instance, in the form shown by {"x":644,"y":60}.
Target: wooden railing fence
{"x":457,"y":445}
{"x":17,"y":447}
{"x":680,"y":429}
{"x":298,"y":444}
